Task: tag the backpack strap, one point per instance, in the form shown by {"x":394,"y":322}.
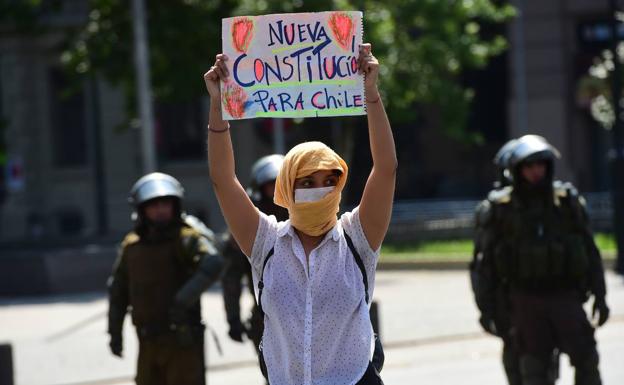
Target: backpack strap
{"x":261,"y":282}
{"x":359,"y":262}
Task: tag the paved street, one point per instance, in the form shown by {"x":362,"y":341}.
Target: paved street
{"x":428,"y":322}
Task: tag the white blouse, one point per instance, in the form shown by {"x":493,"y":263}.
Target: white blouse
{"x":317,"y":329}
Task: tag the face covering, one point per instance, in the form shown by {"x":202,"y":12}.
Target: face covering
{"x":312,"y":194}
{"x":318,"y":214}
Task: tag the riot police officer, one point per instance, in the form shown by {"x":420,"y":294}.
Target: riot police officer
{"x":261,"y":190}
{"x":162,"y":268}
{"x":536,"y":245}
{"x":491,"y":299}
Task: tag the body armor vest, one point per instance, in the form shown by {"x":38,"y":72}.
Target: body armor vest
{"x":540,"y":244}
{"x":157,"y":271}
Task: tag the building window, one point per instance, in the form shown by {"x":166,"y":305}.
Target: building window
{"x":67,"y":119}
{"x":180,"y":133}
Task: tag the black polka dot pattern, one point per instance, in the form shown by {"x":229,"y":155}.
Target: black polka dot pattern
{"x":317,"y":327}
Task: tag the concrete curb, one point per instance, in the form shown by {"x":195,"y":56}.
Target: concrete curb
{"x":448,"y":265}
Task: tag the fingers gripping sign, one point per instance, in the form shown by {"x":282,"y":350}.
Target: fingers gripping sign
{"x":369,"y":66}
{"x":218,"y":72}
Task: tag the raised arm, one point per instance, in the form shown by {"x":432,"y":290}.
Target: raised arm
{"x":240,"y":214}
{"x":376,"y":203}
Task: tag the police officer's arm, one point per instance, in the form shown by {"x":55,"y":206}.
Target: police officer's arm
{"x":208,"y":264}
{"x":233,"y":272}
{"x":118,"y":302}
{"x":597,"y":281}
{"x":231,"y":282}
{"x":482,"y":273}
{"x":597,"y":284}
{"x":377,"y":198}
{"x":596,"y":270}
{"x":238,"y":210}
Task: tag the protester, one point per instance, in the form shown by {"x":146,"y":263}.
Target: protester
{"x":317,"y":326}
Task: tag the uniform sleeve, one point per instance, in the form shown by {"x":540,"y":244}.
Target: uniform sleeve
{"x":353,"y":227}
{"x":266,"y":236}
{"x":482,"y":275}
{"x":118,"y":295}
{"x":596,"y":270}
{"x":205,"y":268}
{"x":233,"y":271}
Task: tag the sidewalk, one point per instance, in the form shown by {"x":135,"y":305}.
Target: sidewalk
{"x":428,"y":322}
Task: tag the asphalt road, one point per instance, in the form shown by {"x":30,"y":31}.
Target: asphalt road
{"x":428,"y":323}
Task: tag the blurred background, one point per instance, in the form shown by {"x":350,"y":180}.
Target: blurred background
{"x":459,"y":78}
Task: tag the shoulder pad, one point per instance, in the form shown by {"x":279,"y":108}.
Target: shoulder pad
{"x":500,"y":196}
{"x":195,"y":239}
{"x":199,"y":226}
{"x":130,"y":239}
{"x":483,"y":213}
{"x":189,"y":232}
{"x":565,"y":190}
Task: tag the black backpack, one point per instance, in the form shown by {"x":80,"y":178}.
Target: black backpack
{"x":378,"y":354}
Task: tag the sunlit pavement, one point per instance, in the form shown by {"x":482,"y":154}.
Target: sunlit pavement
{"x":428,"y":322}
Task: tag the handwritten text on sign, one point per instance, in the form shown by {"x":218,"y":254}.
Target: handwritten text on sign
{"x":293,"y":65}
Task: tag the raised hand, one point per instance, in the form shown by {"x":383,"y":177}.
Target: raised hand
{"x":369,"y":66}
{"x":218,"y":72}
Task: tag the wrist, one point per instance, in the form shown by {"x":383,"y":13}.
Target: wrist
{"x":373,"y":98}
{"x":219,"y":130}
{"x":372,"y":95}
{"x":371,"y":91}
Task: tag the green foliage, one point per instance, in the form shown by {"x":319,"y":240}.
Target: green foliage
{"x":605,"y":241}
{"x":461,"y":249}
{"x":423,"y":46}
{"x":184,"y":36}
{"x":441,"y":246}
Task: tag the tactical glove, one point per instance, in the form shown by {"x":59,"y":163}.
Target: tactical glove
{"x":600,"y":307}
{"x":488,"y":324}
{"x":116,"y":345}
{"x":236,"y":331}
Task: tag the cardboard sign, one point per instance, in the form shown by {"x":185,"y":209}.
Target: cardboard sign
{"x":293,"y":65}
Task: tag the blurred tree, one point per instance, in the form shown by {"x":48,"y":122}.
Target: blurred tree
{"x":423,"y":46}
{"x":594,"y":89}
{"x":183,"y":37}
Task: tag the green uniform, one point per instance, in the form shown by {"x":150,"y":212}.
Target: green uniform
{"x":538,"y":250}
{"x":151,"y":277}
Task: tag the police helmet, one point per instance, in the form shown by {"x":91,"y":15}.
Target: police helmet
{"x":266,"y":169}
{"x":501,"y":159}
{"x":530,"y":148}
{"x":155,"y":185}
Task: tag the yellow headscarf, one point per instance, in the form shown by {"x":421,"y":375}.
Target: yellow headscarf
{"x":312,"y":218}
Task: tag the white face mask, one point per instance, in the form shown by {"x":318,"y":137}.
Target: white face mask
{"x":312,"y":194}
